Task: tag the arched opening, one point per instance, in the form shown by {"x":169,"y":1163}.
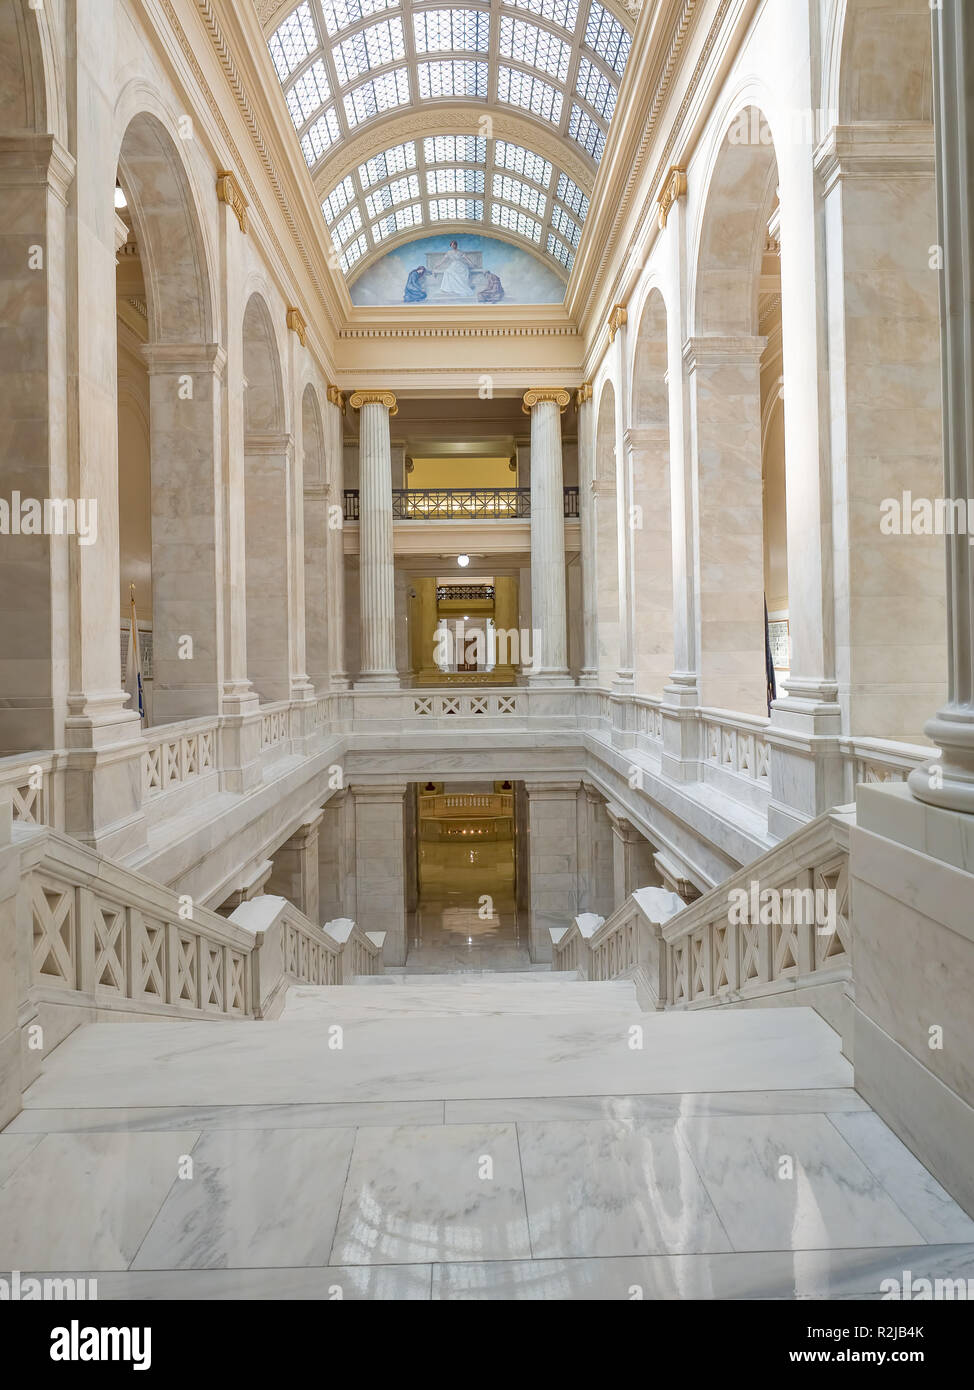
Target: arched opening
{"x":737,"y":286}
{"x":168,"y":427}
{"x":316,"y":503}
{"x":266,"y":463}
{"x":652,"y":541}
{"x":607,"y":538}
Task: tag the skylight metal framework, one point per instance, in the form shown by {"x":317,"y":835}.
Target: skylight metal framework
{"x":348,"y":66}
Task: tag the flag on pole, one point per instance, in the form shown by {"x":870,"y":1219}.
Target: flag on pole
{"x":133,"y":664}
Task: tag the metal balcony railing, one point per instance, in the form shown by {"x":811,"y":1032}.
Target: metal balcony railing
{"x":459,"y":504}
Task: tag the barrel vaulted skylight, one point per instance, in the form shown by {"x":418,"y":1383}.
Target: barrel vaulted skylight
{"x":548,"y":70}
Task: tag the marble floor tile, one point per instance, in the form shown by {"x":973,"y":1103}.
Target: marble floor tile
{"x":916,"y":1192}
{"x":774,"y":1274}
{"x":85,"y":1201}
{"x":426,"y":1194}
{"x":258,"y":1198}
{"x":831,"y":1201}
{"x":14,"y":1149}
{"x":604,"y":1188}
{"x":351,"y":1283}
{"x":342,"y":1115}
{"x":638,"y":1109}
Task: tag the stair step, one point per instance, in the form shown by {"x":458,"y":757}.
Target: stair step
{"x":425,"y":1000}
{"x":437,"y":1058}
{"x":479,"y":977}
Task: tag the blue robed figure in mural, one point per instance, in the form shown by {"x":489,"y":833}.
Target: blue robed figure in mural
{"x":414,"y":292}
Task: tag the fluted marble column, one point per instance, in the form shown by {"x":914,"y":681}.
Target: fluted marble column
{"x":377,"y":596}
{"x":587,"y":525}
{"x":950,"y":783}
{"x":335,"y":541}
{"x":549,"y":646}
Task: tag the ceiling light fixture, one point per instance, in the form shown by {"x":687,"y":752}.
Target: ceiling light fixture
{"x":120,"y":199}
{"x":463,"y":561}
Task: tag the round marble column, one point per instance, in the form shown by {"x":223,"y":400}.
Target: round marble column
{"x":549,"y":643}
{"x":950,"y":782}
{"x":587,"y":525}
{"x":376,"y":563}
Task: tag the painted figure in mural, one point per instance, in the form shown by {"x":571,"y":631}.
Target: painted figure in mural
{"x":492,"y":291}
{"x":457,"y":281}
{"x":414,"y":292}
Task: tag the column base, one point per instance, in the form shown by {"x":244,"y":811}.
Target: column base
{"x":377,"y":680}
{"x":550,"y":679}
{"x":948,"y":781}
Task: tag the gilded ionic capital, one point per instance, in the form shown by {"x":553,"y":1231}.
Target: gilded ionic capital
{"x":617,"y":319}
{"x":228,"y":191}
{"x":359,"y":398}
{"x":296,"y":322}
{"x":557,"y":394}
{"x":336,"y":397}
{"x":584,"y":393}
{"x":674,"y":187}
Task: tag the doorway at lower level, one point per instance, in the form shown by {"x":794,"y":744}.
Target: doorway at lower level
{"x":466,"y":916}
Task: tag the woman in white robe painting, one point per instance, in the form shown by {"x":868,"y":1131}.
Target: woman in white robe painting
{"x":457,"y":282}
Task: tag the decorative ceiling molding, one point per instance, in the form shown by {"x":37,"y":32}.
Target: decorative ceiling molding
{"x":462,"y":331}
{"x":221,"y":48}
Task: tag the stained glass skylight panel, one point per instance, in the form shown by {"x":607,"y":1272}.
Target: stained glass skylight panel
{"x":607,"y":37}
{"x":569,"y":193}
{"x":587,"y":132}
{"x":453,"y":78}
{"x":321,"y":136}
{"x":455,"y":149}
{"x":370,"y":48}
{"x":519,"y":222}
{"x":346,"y":227}
{"x":514,"y":191}
{"x":383,"y":166}
{"x":293,"y":41}
{"x":522,"y":161}
{"x":399,"y":221}
{"x":530,"y":93}
{"x":565,"y":225}
{"x":561,"y":253}
{"x":456,"y":210}
{"x":382,"y":93}
{"x":342,"y":14}
{"x":537,"y":48}
{"x":338,"y":199}
{"x":455,"y":181}
{"x":449,"y":31}
{"x":391,"y":194}
{"x":593,"y":86}
{"x":563,"y":12}
{"x":309,"y":92}
{"x":353,"y":252}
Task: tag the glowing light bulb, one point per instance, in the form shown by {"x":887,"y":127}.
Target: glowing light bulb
{"x":120,"y":199}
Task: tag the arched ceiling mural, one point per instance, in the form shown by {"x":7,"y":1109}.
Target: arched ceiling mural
{"x":414,"y":116}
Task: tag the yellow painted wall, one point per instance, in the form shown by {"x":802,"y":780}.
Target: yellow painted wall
{"x":461,"y":472}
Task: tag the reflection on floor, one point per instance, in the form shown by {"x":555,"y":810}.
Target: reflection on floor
{"x":467,"y":918}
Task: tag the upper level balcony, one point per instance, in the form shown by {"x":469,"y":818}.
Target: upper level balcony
{"x":459,"y":504}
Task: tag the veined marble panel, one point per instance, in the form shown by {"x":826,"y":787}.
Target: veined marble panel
{"x":433,"y":1194}
{"x":257,"y":1198}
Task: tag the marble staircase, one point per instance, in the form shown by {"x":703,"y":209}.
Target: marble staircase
{"x":516,"y":1135}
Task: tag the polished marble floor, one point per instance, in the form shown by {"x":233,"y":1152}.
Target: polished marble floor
{"x":467,"y":918}
{"x":188,"y":1161}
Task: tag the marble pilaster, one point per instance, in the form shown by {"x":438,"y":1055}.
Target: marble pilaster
{"x":632,"y":857}
{"x":588,"y":528}
{"x":295,"y":872}
{"x":552,"y":841}
{"x":185,"y":384}
{"x":335,"y":561}
{"x":380,"y":864}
